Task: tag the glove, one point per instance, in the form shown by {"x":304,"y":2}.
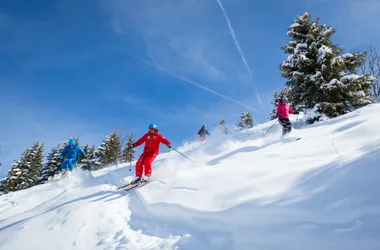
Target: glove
{"x":296,"y":112}
{"x":61,"y":157}
{"x":169,"y":146}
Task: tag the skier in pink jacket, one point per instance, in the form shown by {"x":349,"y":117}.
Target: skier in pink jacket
{"x":283,"y":111}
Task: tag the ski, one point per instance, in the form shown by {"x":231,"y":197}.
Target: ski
{"x":292,"y":139}
{"x":124,"y":186}
{"x":130,"y":185}
{"x":136,"y":186}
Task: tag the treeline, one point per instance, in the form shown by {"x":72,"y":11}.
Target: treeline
{"x":31,"y":169}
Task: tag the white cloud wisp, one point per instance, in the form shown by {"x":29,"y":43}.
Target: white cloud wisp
{"x":240,"y":51}
{"x":198,"y":85}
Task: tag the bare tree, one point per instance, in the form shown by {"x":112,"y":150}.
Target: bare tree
{"x":0,"y":157}
{"x":120,"y":131}
{"x":371,"y":66}
{"x":363,"y":68}
{"x":373,"y":60}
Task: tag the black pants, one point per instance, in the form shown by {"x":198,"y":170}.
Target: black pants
{"x":286,"y":125}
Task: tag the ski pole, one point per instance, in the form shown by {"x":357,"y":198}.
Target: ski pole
{"x":270,"y":127}
{"x":182,"y":154}
{"x":89,"y":170}
{"x":130,"y":165}
{"x":297,"y":121}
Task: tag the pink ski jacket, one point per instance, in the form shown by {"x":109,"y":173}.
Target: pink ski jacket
{"x":283,"y":110}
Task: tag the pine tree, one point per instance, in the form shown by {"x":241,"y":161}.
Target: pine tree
{"x":245,"y":121}
{"x":3,"y":182}
{"x":91,"y":159}
{"x":4,"y":188}
{"x":25,"y":173}
{"x":274,"y":102}
{"x":53,"y":164}
{"x":222,"y":126}
{"x":320,"y":77}
{"x":128,"y":152}
{"x":109,"y":152}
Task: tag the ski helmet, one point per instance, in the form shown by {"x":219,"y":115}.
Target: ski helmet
{"x":203,"y":125}
{"x":153,"y":126}
{"x":284,"y":99}
{"x":72,"y":142}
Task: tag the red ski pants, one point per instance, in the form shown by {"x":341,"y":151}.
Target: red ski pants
{"x":145,"y":162}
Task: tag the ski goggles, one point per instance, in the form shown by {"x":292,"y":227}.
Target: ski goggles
{"x":152,"y":129}
{"x":285,"y":101}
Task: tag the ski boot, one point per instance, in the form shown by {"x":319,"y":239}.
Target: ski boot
{"x":144,"y":180}
{"x":136,"y":181}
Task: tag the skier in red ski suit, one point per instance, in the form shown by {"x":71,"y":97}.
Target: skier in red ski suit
{"x":152,"y":141}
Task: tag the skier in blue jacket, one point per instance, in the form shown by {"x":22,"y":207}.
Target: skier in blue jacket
{"x":71,"y":151}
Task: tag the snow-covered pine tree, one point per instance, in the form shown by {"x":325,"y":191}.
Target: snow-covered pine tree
{"x":4,"y":189}
{"x":128,"y":152}
{"x":245,"y":121}
{"x":222,"y":126}
{"x":274,"y":102}
{"x":91,"y":159}
{"x":3,"y":182}
{"x":53,"y":164}
{"x":25,"y":173}
{"x":320,"y":77}
{"x":110,"y":150}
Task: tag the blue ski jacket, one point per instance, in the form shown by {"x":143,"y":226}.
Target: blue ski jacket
{"x":72,"y":153}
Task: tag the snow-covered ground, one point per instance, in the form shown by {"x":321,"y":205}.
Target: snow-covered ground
{"x":247,"y":190}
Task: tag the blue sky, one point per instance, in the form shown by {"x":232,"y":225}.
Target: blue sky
{"x":84,"y":68}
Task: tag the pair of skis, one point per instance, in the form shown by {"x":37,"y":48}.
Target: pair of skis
{"x":59,"y":176}
{"x":130,"y":186}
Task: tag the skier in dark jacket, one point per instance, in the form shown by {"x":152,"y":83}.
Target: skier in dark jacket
{"x":202,"y":133}
{"x":71,"y":152}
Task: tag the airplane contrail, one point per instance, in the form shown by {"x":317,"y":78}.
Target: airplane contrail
{"x":197,"y":84}
{"x":240,"y":50}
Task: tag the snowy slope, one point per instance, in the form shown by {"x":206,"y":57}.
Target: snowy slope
{"x":244,"y":191}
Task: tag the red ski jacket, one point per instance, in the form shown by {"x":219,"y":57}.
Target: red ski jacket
{"x":152,"y":142}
